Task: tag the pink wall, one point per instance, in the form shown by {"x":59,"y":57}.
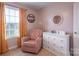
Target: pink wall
{"x":32,"y":25}
{"x":64,"y":9}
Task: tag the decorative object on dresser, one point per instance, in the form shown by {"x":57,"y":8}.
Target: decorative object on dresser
{"x":56,"y":43}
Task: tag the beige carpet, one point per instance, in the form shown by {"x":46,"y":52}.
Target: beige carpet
{"x":18,"y":52}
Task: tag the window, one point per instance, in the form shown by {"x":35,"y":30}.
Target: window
{"x":12,"y":21}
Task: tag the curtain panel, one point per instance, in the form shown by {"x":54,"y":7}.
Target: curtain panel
{"x":23,"y":25}
{"x":3,"y":40}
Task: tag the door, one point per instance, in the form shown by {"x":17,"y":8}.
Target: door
{"x":76,"y":28}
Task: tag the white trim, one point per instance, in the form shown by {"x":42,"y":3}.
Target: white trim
{"x":11,"y":7}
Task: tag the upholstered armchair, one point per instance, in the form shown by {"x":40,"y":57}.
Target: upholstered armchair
{"x":33,"y":42}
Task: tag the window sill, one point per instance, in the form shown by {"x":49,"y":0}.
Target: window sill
{"x":12,"y":37}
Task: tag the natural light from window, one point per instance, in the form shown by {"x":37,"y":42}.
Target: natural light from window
{"x":12,"y":21}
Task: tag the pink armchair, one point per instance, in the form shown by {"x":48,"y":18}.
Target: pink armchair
{"x":32,"y":43}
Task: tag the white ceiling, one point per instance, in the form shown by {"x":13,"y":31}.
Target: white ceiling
{"x":34,"y":5}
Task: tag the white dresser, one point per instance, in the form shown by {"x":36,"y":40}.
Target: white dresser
{"x":57,"y":44}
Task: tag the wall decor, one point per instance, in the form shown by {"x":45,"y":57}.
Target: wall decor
{"x":57,"y":19}
{"x":30,"y":18}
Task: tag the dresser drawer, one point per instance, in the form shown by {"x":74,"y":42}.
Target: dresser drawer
{"x":47,"y":36}
{"x":56,"y":43}
{"x":45,"y":45}
{"x":64,"y":50}
{"x":63,"y":46}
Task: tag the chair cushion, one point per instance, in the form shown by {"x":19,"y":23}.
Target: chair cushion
{"x":30,"y":43}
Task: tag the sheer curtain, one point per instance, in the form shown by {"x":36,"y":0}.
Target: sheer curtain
{"x":12,"y":25}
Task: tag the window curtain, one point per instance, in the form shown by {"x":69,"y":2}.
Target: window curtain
{"x":0,"y":28}
{"x":3,"y":41}
{"x":23,"y":25}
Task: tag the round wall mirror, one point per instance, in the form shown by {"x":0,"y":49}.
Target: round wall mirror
{"x":57,"y":19}
{"x":30,"y":18}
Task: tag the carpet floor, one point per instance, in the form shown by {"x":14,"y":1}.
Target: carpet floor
{"x":18,"y":52}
